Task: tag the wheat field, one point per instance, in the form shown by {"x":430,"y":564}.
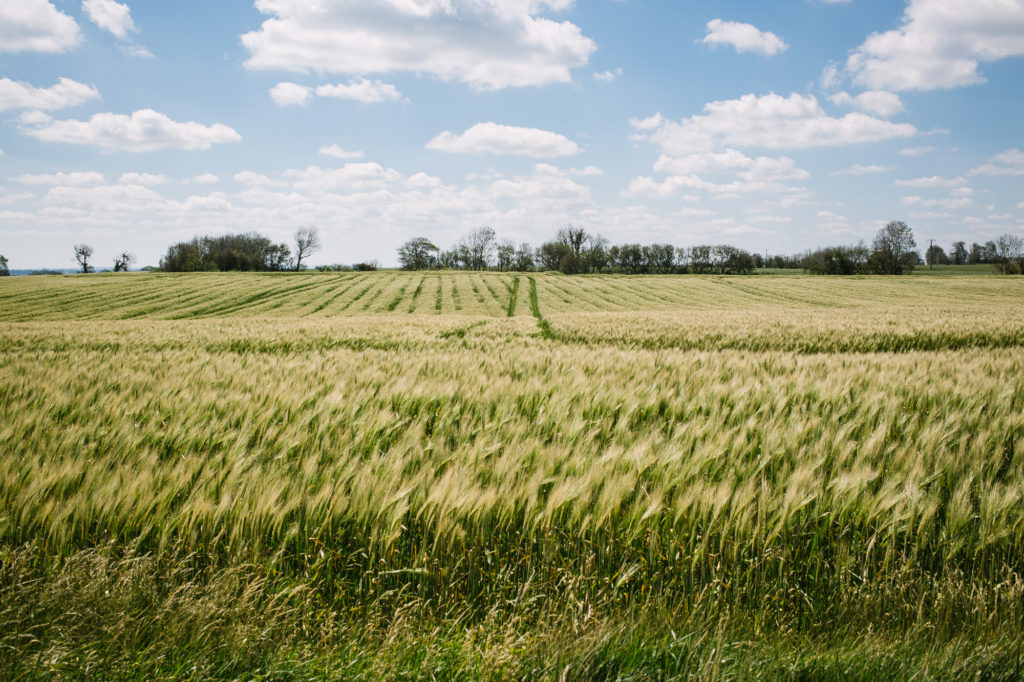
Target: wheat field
{"x":511,"y":476}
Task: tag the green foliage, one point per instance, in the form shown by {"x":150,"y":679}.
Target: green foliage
{"x":892,"y":251}
{"x":245,"y":252}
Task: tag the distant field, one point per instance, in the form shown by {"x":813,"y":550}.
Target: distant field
{"x":453,"y":475}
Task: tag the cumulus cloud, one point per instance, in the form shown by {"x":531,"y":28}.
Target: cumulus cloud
{"x":205,"y":179}
{"x":111,"y":16}
{"x":762,"y":168}
{"x":878,"y":102}
{"x":770,"y":121}
{"x":148,"y":179}
{"x":361,"y":90}
{"x":143,"y":131}
{"x":489,"y":45}
{"x":858,"y":169}
{"x":494,"y":138}
{"x":255,"y":179}
{"x":62,"y":178}
{"x":116,"y":18}
{"x":290,"y":94}
{"x":36,"y":26}
{"x":608,"y":76}
{"x":948,"y":204}
{"x":338,"y":153}
{"x":1010,"y":162}
{"x":940,"y":44}
{"x":932,"y":181}
{"x":916,"y":151}
{"x":743,"y":37}
{"x":65,"y":93}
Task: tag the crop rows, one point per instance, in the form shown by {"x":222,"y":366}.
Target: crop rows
{"x":471,"y":475}
{"x":294,"y":295}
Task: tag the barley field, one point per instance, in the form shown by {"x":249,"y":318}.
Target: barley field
{"x":511,"y":476}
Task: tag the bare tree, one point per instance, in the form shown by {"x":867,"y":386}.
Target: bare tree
{"x":1009,"y":252}
{"x":83,"y":253}
{"x":307,"y":242}
{"x":478,"y":248}
{"x":573,"y":236}
{"x":122,"y":262}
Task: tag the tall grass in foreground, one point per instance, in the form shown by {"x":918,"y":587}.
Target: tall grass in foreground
{"x":403,"y":499}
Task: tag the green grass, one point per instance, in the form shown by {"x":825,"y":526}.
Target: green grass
{"x":321,"y":476}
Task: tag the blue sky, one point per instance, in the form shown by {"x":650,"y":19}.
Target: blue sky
{"x":773,"y":126}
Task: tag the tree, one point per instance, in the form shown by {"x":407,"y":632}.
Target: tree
{"x":4,"y":270}
{"x":660,"y":258}
{"x":418,"y":253}
{"x":478,"y":248}
{"x":936,"y":256}
{"x":245,"y":252}
{"x":506,"y":255}
{"x":122,"y":262}
{"x":83,"y":253}
{"x":307,"y":241}
{"x":556,"y":256}
{"x":1009,"y":253}
{"x":892,"y":252}
{"x":574,"y":237}
{"x":836,"y":260}
{"x":596,"y":256}
{"x":958,"y":253}
{"x":524,"y":258}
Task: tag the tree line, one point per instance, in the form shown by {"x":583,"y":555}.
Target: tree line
{"x":893,"y":252}
{"x":573,"y":250}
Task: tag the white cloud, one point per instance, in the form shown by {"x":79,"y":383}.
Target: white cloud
{"x":205,"y":179}
{"x":133,"y":50}
{"x":148,"y":179}
{"x":933,"y":181}
{"x":832,"y":222}
{"x":361,"y":90}
{"x":916,"y":151}
{"x":351,"y":176}
{"x":111,"y":16}
{"x":940,"y":45}
{"x":608,"y":76}
{"x":338,"y":153}
{"x":1010,"y":162}
{"x":674,"y":185}
{"x":143,"y":131}
{"x":254,"y":179}
{"x":831,"y":76}
{"x":881,"y":103}
{"x":858,"y":169}
{"x":65,"y":93}
{"x":949,"y":204}
{"x":489,"y":45}
{"x":761,"y":169}
{"x":743,"y":37}
{"x":548,"y":169}
{"x":290,"y":94}
{"x":72,"y":178}
{"x":770,"y":121}
{"x":35,"y":26}
{"x":493,"y":138}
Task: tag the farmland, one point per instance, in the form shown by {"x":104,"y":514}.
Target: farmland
{"x":487,"y":475}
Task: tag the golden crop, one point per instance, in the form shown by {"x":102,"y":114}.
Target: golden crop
{"x":778,"y":452}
